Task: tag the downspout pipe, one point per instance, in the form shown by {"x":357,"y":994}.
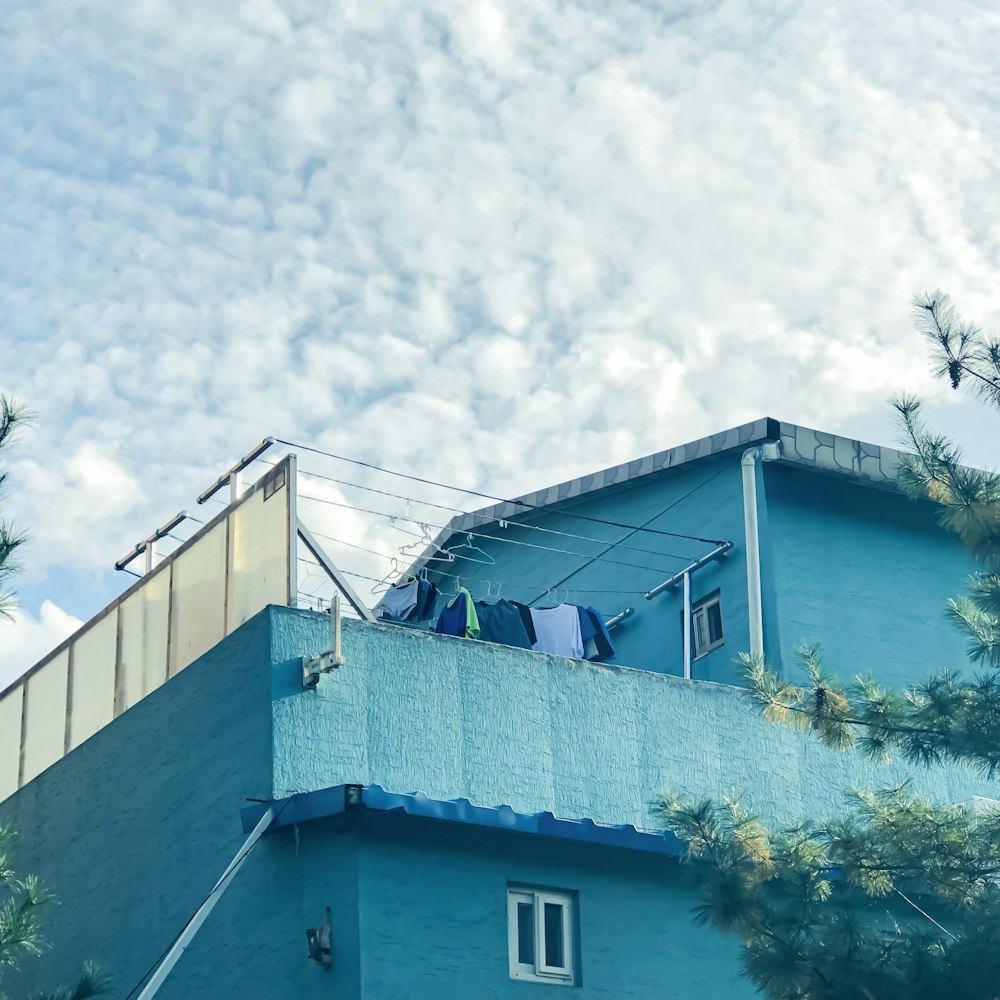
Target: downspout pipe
{"x":769,"y":451}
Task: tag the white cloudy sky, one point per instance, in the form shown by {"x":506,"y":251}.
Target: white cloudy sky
{"x":494,"y":243}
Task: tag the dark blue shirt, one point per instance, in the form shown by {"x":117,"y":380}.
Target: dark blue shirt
{"x":501,"y":622}
{"x":453,"y":618}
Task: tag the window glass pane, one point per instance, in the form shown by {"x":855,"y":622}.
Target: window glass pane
{"x":197,"y":614}
{"x":143,"y":643}
{"x":45,"y":722}
{"x":258,"y":556}
{"x":701,"y":639}
{"x":92,"y":693}
{"x":526,"y":933}
{"x":10,"y":740}
{"x":714,"y":614}
{"x":554,"y":952}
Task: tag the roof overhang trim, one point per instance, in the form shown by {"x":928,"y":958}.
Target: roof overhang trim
{"x":357,"y":800}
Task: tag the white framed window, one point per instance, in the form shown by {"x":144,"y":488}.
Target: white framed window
{"x":540,"y":925}
{"x":706,"y":625}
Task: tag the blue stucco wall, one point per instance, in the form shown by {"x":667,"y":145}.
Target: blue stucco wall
{"x":704,"y":500}
{"x":133,"y":828}
{"x":458,"y":718}
{"x":435,"y":919}
{"x":865,"y":573}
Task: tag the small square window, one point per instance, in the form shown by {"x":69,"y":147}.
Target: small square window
{"x":706,"y":625}
{"x":540,"y":936}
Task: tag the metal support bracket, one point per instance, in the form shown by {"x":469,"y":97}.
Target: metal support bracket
{"x":719,"y":552}
{"x":313,"y":666}
{"x":232,"y":475}
{"x":148,"y":545}
{"x":619,"y":618}
{"x":331,"y":570}
{"x":191,"y":928}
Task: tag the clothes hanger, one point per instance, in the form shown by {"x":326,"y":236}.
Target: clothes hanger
{"x":386,"y":582}
{"x":419,"y":547}
{"x":487,"y":559}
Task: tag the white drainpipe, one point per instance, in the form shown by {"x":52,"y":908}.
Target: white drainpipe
{"x":767,"y":452}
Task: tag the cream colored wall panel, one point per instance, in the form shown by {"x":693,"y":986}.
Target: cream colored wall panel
{"x":10,"y":740}
{"x":258,"y":556}
{"x":144,"y":629}
{"x":92,"y":685}
{"x":45,"y":718}
{"x":197,"y":615}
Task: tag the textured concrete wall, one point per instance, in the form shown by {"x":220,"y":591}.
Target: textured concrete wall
{"x":704,"y":500}
{"x":133,"y":828}
{"x":865,"y":573}
{"x":456,"y":718}
{"x":434,"y":924}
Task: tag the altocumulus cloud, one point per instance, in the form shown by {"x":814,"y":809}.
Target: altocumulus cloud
{"x":500,"y":242}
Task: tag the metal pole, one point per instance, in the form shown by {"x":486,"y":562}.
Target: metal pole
{"x":619,"y":618}
{"x":749,"y":463}
{"x":150,"y":556}
{"x":335,"y":625}
{"x":191,"y":928}
{"x":717,"y":553}
{"x":324,"y":560}
{"x":226,"y":476}
{"x":687,"y":626}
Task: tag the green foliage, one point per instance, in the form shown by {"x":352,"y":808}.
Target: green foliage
{"x":944,"y":719}
{"x":21,"y":900}
{"x":92,"y":983}
{"x":898,"y":898}
{"x":19,"y":919}
{"x":12,"y":418}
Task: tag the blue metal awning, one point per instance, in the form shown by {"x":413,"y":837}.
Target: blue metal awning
{"x":359,"y":799}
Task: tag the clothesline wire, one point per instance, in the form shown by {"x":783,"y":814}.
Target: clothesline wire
{"x":345,"y":612}
{"x":459,"y":555}
{"x":497,"y":538}
{"x":488,"y":496}
{"x":484,"y":582}
{"x":669,"y":506}
{"x":458,"y":576}
{"x":484,"y":517}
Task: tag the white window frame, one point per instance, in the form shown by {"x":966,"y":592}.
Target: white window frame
{"x":700,"y":609}
{"x":539,"y":971}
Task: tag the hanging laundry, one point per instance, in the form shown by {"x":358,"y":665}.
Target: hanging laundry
{"x":602,"y":640}
{"x":426,"y":598}
{"x":501,"y":622}
{"x":399,"y":600}
{"x":557,"y":630}
{"x":588,"y":629}
{"x":529,"y":626}
{"x":593,"y":631}
{"x":459,"y":617}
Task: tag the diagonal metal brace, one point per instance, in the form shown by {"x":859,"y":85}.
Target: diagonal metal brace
{"x":338,"y":578}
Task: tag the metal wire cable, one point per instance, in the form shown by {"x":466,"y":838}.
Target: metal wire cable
{"x":241,"y":855}
{"x":484,"y":517}
{"x":495,"y":499}
{"x":499,"y":538}
{"x":679,"y":500}
{"x":487,"y":582}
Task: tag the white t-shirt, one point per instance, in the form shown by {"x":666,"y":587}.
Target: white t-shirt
{"x":557,"y":630}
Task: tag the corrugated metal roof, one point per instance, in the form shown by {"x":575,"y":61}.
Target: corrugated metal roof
{"x":359,"y":799}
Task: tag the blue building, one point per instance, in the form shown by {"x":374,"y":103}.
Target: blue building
{"x":473,"y":818}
